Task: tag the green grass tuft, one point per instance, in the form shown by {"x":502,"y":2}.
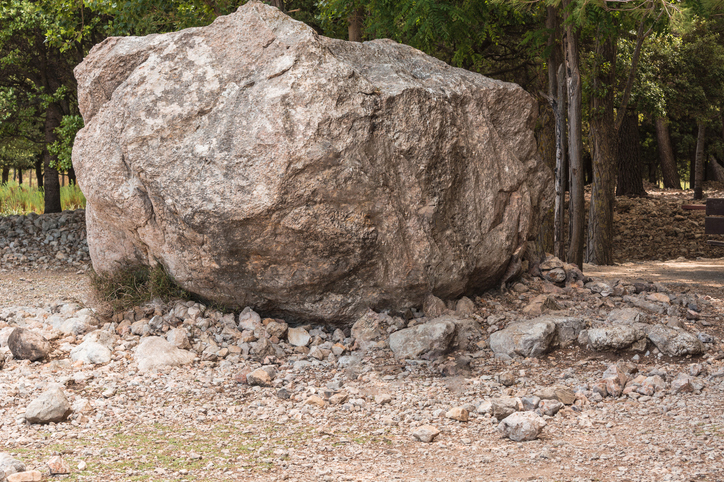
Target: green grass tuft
{"x":23,"y":199}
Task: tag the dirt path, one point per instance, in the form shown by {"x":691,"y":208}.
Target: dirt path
{"x":700,"y":273}
{"x":197,"y":423}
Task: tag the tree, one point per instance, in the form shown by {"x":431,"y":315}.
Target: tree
{"x":41,"y":75}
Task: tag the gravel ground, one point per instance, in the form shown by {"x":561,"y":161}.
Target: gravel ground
{"x":203,"y":421}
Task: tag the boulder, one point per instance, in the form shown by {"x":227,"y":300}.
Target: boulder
{"x":51,"y":406}
{"x":674,"y":342}
{"x":310,"y":178}
{"x":155,"y":352}
{"x":428,"y":340}
{"x":27,"y":345}
{"x":524,"y":338}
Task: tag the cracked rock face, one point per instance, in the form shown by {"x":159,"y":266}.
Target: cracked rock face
{"x":266,"y":166}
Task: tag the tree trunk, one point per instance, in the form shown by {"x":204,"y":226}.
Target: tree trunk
{"x":630,"y":173}
{"x":20,"y":176}
{"x":6,"y":175}
{"x":278,"y":3}
{"x":599,"y":249}
{"x":355,"y":26}
{"x":559,"y":245}
{"x":71,"y":176}
{"x":575,"y":146}
{"x":699,"y":160}
{"x":51,"y":184}
{"x":666,"y":155}
{"x":39,"y":170}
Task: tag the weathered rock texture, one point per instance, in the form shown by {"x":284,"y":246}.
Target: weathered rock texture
{"x":264,"y":165}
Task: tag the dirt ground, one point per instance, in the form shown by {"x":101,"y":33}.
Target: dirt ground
{"x":198,"y":423}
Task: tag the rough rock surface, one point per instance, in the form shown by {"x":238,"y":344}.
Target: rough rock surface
{"x":51,"y":406}
{"x":28,"y":345}
{"x":430,"y":339}
{"x":265,"y":165}
{"x":674,"y":342}
{"x":525,"y":338}
{"x":155,"y":352}
{"x":521,"y":426}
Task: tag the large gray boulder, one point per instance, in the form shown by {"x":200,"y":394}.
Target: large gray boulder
{"x":264,"y":165}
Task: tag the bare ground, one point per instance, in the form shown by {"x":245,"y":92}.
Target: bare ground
{"x":198,"y":423}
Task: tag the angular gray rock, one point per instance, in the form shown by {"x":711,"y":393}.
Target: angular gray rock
{"x":51,"y":406}
{"x":425,"y":433}
{"x":567,"y":329}
{"x":154,"y":352}
{"x":9,"y":465}
{"x":524,"y":338}
{"x":367,"y":330}
{"x":264,"y":165}
{"x":521,"y":426}
{"x":428,"y":340}
{"x":674,"y":342}
{"x":614,"y":337}
{"x":27,"y":345}
{"x":91,"y":352}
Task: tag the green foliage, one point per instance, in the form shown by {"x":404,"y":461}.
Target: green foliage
{"x":135,"y":285}
{"x":63,"y":147}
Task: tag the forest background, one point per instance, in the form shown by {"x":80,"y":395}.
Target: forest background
{"x":629,"y":90}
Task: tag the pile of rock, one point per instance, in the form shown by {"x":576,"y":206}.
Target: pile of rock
{"x":47,"y":241}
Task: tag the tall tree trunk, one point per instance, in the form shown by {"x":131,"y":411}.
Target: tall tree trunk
{"x":630,"y":179}
{"x":599,"y":249}
{"x":699,"y":160}
{"x":20,"y":176}
{"x":278,"y":3}
{"x":39,"y":170}
{"x":575,"y":145}
{"x":6,"y":175}
{"x":666,"y":155}
{"x":51,"y":183}
{"x":559,"y":245}
{"x":355,"y":26}
{"x":71,"y":176}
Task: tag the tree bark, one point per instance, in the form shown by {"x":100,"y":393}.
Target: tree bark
{"x":355,"y":26}
{"x":575,"y":146}
{"x":71,"y":176}
{"x":630,"y":179}
{"x":6,"y":175}
{"x":666,"y":155}
{"x":559,"y":246}
{"x":20,"y":176}
{"x":39,"y":171}
{"x":599,"y":249}
{"x":51,"y":183}
{"x":699,"y":160}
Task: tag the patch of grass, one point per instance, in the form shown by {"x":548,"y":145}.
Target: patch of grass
{"x":137,"y":285}
{"x":23,"y":199}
